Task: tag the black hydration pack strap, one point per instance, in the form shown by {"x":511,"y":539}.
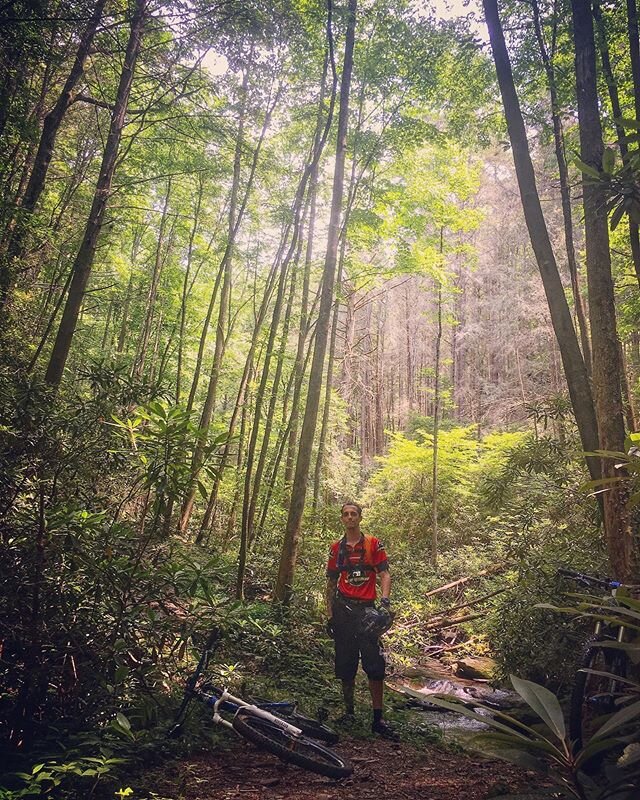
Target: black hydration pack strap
{"x":344,"y":563}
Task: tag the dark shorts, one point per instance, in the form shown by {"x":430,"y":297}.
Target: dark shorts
{"x":351,"y":646}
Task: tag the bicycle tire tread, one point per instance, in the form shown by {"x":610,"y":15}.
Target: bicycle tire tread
{"x":313,"y":728}
{"x":261,"y":732}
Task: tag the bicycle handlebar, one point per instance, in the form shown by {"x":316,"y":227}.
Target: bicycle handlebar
{"x":589,"y":580}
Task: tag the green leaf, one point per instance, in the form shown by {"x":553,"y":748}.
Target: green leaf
{"x":123,"y":721}
{"x":592,"y":748}
{"x":618,"y":720}
{"x":544,"y":703}
{"x":588,"y":170}
{"x":616,"y":217}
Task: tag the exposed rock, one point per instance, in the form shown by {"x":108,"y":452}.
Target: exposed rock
{"x":478,"y":667}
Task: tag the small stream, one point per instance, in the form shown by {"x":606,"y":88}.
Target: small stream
{"x":454,"y":727}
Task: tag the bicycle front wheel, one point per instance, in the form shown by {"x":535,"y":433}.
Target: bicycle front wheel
{"x":297,"y":750}
{"x":595,"y":697}
{"x":311,"y":727}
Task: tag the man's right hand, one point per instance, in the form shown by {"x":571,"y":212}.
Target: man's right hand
{"x":329,"y":628}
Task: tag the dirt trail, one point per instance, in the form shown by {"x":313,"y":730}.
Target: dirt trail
{"x":381,"y":770}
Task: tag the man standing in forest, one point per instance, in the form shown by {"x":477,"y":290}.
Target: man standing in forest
{"x":354,"y":563}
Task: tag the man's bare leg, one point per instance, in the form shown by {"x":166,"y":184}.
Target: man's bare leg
{"x":376,"y":688}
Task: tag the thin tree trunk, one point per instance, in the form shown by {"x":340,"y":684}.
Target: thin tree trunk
{"x":572,"y":360}
{"x":436,"y":421}
{"x":251,"y":497}
{"x":223,"y":314}
{"x":52,"y":122}
{"x":634,"y":52}
{"x":606,"y":361}
{"x":84,"y":260}
{"x":160,"y":258}
{"x":565,"y":194}
{"x":242,"y":393}
{"x":185,"y":287}
{"x":324,"y":427}
{"x":124,"y":322}
{"x":288,"y":557}
{"x":273,"y":473}
{"x":105,"y":346}
{"x":226,"y":271}
{"x":304,"y":300}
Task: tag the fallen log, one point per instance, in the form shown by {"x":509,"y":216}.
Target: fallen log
{"x":440,"y":626}
{"x":496,"y":569}
{"x":472,"y":602}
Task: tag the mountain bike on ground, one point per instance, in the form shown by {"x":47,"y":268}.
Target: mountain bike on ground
{"x":602,"y":682}
{"x":274,"y":726}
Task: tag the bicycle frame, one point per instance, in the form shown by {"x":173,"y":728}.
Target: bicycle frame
{"x":222,"y":700}
{"x":239,"y":703}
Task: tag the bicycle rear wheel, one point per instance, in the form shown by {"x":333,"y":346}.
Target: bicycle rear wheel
{"x":595,"y":697}
{"x":298,"y":750}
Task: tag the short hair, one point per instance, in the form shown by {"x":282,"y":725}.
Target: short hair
{"x":351,"y":503}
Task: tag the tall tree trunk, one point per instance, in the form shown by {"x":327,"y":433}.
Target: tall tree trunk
{"x":436,"y":419}
{"x":241,"y":399}
{"x":223,"y":311}
{"x":273,"y":472}
{"x":124,"y":320}
{"x":565,"y":194}
{"x":185,"y":287}
{"x":84,"y":260}
{"x":158,"y":264}
{"x":251,"y":496}
{"x":52,"y":122}
{"x":288,"y":556}
{"x":612,"y":88}
{"x":304,"y":300}
{"x":324,"y":427}
{"x":606,"y":360}
{"x":572,"y":360}
{"x":634,"y":52}
{"x":224,"y":271}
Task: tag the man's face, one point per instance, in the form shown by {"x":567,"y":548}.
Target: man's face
{"x":350,"y":517}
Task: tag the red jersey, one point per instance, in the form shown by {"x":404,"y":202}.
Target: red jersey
{"x":356,"y":566}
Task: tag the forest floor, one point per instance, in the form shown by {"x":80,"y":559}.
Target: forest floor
{"x":382,"y":770}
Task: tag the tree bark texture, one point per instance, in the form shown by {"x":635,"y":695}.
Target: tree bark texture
{"x":288,"y":556}
{"x":572,"y":360}
{"x":602,"y":314}
{"x":44,"y":153}
{"x":612,"y":88}
{"x":565,"y":194}
{"x":84,"y":260}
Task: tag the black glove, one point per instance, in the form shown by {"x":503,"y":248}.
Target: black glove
{"x":329,"y":628}
{"x":385,"y":603}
